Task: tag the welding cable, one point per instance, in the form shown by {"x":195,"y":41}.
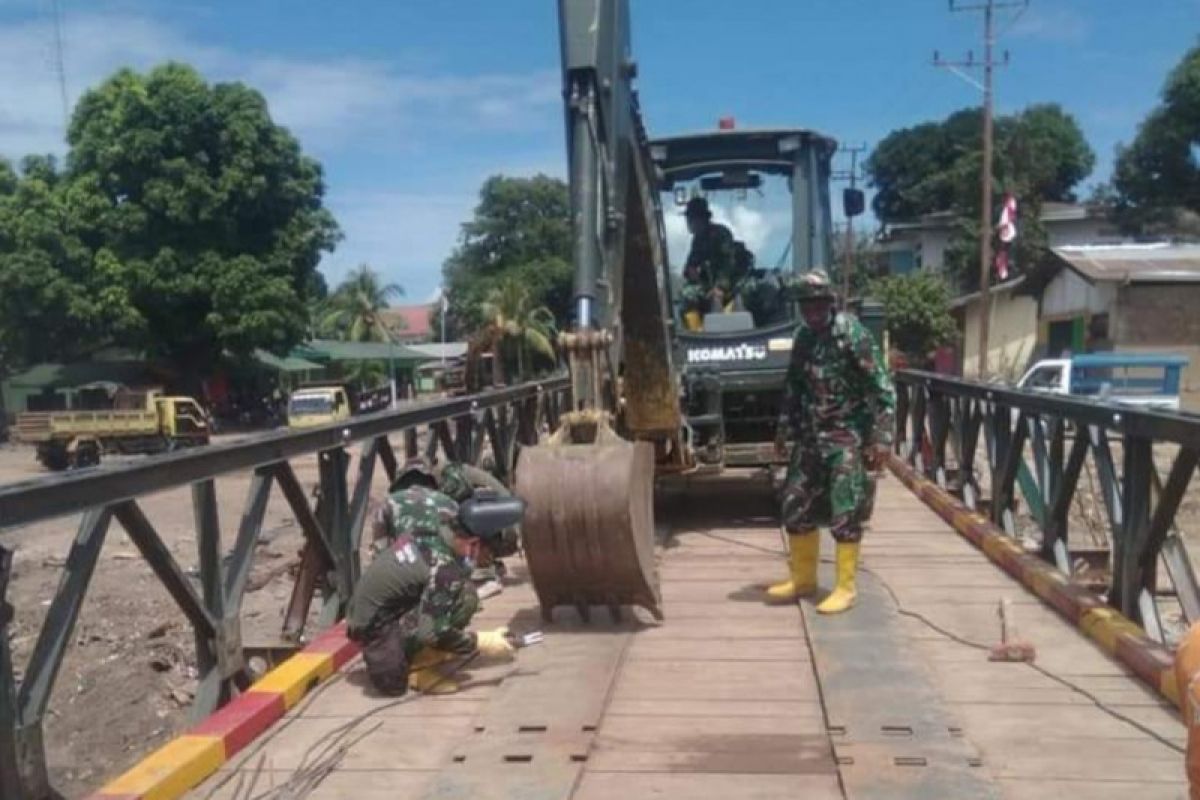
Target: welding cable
{"x":904,"y":612}
{"x":334,"y":745}
{"x":304,"y":706}
{"x":1100,"y":704}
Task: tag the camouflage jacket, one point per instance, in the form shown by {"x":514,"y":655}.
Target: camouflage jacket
{"x":837,"y":383}
{"x":712,"y":261}
{"x":416,"y":510}
{"x":420,"y":582}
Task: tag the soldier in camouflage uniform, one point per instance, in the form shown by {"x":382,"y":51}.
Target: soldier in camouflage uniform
{"x":449,"y":479}
{"x":839,"y":404}
{"x":710,"y":270}
{"x":414,"y":601}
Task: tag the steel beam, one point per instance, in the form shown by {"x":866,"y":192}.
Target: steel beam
{"x":213,"y":655}
{"x":60,"y":619}
{"x":72,"y":493}
{"x":1135,"y":526}
{"x":248,"y":532}
{"x":362,"y":493}
{"x":1058,"y":514}
{"x":12,"y":775}
{"x":152,"y":548}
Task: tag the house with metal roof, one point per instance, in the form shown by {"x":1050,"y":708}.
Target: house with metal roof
{"x":921,"y":244}
{"x":1128,"y":298}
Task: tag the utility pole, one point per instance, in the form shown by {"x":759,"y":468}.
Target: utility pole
{"x":852,"y":176}
{"x":989,"y":8}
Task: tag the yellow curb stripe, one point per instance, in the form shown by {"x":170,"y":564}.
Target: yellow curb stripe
{"x":1104,"y":625}
{"x":294,"y":677}
{"x":1169,"y":686}
{"x":171,"y":770}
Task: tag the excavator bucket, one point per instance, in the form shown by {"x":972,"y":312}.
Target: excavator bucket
{"x":589,"y":524}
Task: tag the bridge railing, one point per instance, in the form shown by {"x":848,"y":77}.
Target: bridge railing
{"x":497,"y":422}
{"x":1080,"y":467}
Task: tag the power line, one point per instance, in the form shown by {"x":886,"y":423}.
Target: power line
{"x":988,"y":64}
{"x":59,"y":65}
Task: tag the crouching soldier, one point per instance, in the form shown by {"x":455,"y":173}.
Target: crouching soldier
{"x":414,"y":498}
{"x":412,"y":605}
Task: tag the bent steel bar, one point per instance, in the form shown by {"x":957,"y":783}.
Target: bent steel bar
{"x":459,"y":428}
{"x":1038,"y":446}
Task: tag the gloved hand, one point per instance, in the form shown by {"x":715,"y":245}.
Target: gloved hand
{"x":495,"y":644}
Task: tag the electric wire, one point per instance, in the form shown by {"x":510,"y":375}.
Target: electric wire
{"x":905,"y":612}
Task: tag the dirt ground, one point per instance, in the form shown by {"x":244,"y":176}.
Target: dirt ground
{"x":129,"y":673}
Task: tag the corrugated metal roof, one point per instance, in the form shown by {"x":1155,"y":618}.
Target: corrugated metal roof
{"x":1134,"y":263}
{"x":437,"y":350}
{"x":334,"y":350}
{"x":288,"y":364}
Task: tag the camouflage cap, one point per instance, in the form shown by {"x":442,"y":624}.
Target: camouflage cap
{"x":453,"y":482}
{"x":812,"y":285}
{"x":415,"y":472}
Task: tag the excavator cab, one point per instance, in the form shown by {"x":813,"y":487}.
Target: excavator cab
{"x":771,"y":189}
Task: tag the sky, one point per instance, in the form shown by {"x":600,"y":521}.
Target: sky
{"x":410,"y":104}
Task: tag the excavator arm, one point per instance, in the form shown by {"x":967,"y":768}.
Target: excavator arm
{"x":589,"y":524}
{"x":621,"y":279}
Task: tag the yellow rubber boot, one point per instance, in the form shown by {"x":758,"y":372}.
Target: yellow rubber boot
{"x":692,"y":320}
{"x":845,"y":593}
{"x":429,"y":657}
{"x":428,"y":680}
{"x":805,"y":550}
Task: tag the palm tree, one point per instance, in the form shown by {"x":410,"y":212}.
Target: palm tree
{"x":512,"y":318}
{"x":352,"y":311}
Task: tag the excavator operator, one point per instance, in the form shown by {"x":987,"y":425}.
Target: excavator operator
{"x":710,"y":270}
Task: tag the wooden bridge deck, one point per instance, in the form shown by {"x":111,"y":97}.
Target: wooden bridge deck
{"x":732,"y":699}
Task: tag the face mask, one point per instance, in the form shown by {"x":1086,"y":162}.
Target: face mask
{"x":468,"y":562}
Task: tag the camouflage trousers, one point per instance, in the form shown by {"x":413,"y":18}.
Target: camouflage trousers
{"x":828,"y":485}
{"x":390,"y":646}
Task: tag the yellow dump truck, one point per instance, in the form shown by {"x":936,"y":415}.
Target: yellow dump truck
{"x":138,"y":422}
{"x":321,"y":404}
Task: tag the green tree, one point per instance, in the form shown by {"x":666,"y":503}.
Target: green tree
{"x":52,"y":304}
{"x":1158,"y":175}
{"x":866,"y":267}
{"x":516,"y":324}
{"x":352,"y":311}
{"x":1040,"y":155}
{"x":917,"y":312}
{"x":203,"y":219}
{"x":521,"y":229}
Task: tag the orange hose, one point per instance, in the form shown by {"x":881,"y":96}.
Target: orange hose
{"x":1187,"y":667}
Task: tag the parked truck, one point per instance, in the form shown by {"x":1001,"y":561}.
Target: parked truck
{"x":1144,"y":380}
{"x":324,"y":403}
{"x":139,"y":422}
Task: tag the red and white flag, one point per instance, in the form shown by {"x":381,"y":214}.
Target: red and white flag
{"x":1007,"y":232}
{"x":1008,"y":219}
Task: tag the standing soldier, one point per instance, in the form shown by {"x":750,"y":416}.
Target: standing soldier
{"x":412,"y":605}
{"x":839,"y":404}
{"x":711,"y":264}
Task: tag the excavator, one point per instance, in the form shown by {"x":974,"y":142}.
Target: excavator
{"x":651,"y":396}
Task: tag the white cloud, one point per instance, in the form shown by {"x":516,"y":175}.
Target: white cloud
{"x":405,"y":236}
{"x":761,"y":230}
{"x":328,"y":103}
{"x":1051,"y":25}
